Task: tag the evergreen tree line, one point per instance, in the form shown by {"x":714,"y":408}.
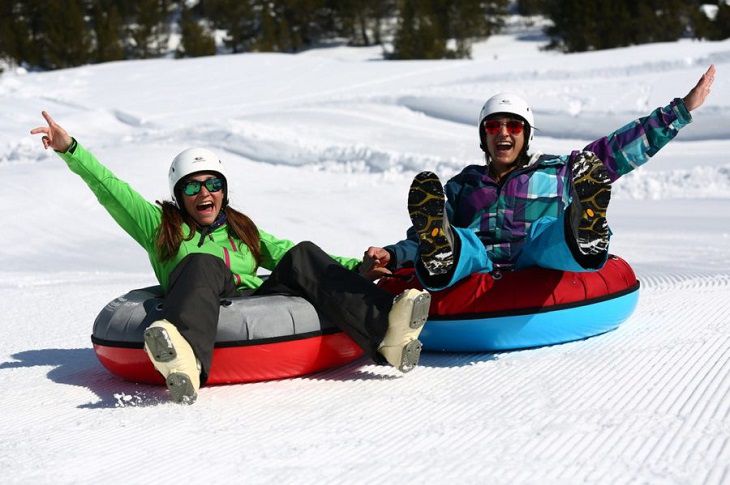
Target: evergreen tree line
{"x":582,"y":25}
{"x":52,"y":34}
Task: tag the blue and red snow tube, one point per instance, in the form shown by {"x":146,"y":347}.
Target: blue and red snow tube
{"x":274,"y":337}
{"x":527,"y":308}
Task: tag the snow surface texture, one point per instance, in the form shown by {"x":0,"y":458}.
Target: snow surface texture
{"x":322,"y":146}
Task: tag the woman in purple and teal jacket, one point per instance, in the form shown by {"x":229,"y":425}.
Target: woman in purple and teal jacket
{"x":518,"y":210}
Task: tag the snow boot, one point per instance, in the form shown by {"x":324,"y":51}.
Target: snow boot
{"x":592,"y":189}
{"x":426,"y":206}
{"x":173,"y":357}
{"x":400,"y":346}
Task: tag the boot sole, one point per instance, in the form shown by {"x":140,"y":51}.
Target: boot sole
{"x":421,"y":306}
{"x":426,"y":208}
{"x":410,"y":356}
{"x":412,"y":350}
{"x":593,"y":189}
{"x":181,"y":388}
{"x":159,"y":344}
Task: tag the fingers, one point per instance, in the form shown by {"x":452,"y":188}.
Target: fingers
{"x":48,"y":118}
{"x":368,"y":263}
{"x":376,"y":273}
{"x":40,"y":129}
{"x":696,"y":97}
{"x":378,"y":253}
{"x":707,"y":79}
{"x":46,"y":139}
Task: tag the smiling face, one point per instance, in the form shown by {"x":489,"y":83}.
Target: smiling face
{"x":505,"y":145}
{"x":204,"y":206}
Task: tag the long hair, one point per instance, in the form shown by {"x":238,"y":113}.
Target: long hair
{"x":170,"y":234}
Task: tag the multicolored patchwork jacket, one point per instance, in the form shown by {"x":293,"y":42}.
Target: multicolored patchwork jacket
{"x":501,"y":214}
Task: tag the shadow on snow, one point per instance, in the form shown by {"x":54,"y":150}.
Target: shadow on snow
{"x":80,"y":367}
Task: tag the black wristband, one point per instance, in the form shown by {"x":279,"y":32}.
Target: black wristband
{"x":72,"y":147}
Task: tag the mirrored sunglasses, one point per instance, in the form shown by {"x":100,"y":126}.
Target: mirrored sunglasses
{"x":514,"y":127}
{"x":193,"y":187}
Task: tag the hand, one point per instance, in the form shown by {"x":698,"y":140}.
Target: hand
{"x":53,"y":136}
{"x":374,"y":263}
{"x":697,"y":95}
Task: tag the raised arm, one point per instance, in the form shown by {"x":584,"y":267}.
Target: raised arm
{"x":633,"y":144}
{"x":127,"y":207}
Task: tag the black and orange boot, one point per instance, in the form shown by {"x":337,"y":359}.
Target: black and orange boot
{"x":592,"y":189}
{"x":426,"y":206}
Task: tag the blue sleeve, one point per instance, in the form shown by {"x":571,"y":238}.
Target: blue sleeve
{"x":633,"y":144}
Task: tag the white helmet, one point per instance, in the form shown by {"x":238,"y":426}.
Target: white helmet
{"x":506,"y":103}
{"x":191,"y":161}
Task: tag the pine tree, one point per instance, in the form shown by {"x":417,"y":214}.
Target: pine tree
{"x":581,"y":25}
{"x":426,"y":26}
{"x":722,"y":22}
{"x":195,"y":40}
{"x":26,"y":35}
{"x":66,"y":40}
{"x":237,"y":18}
{"x":531,"y":7}
{"x":108,"y":29}
{"x":8,"y":32}
{"x":472,"y":19}
{"x":267,"y":37}
{"x":148,"y":30}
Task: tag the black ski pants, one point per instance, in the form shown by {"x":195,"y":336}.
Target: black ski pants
{"x":353,"y":303}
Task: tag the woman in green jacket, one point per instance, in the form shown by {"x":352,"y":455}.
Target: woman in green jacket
{"x":202,"y":250}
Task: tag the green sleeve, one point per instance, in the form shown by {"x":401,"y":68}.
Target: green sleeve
{"x":273,"y":249}
{"x":138,"y":217}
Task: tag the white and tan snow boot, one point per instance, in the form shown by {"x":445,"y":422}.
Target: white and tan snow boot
{"x":400,"y":346}
{"x":173,"y":357}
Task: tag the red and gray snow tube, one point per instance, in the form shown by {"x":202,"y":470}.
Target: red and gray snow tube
{"x":259,"y":338}
{"x":525,"y":308}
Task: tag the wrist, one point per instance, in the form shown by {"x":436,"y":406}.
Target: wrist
{"x":71,"y":148}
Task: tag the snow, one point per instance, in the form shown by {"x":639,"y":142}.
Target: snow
{"x":322,"y":146}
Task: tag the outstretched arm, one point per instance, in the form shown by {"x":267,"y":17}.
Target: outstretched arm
{"x":128,"y":208}
{"x":697,"y":94}
{"x":54,"y":136}
{"x":633,"y":144}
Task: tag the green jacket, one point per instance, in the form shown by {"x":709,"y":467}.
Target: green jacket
{"x":141,"y":219}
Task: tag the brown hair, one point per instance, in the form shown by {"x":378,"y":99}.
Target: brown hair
{"x":170,"y":234}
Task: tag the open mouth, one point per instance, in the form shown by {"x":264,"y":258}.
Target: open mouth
{"x":205,"y":207}
{"x":503,"y":146}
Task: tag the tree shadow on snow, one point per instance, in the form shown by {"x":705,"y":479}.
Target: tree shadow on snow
{"x":79,"y":367}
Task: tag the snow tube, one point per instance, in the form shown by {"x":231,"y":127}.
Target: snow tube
{"x":527,"y":308}
{"x":259,"y":338}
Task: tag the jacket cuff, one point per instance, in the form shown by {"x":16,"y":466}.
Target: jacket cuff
{"x":71,"y":148}
{"x":393,"y":262}
{"x":684,"y":117}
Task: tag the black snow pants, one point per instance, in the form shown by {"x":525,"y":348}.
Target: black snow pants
{"x":353,"y":303}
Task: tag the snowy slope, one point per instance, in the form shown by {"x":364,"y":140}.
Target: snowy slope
{"x":322,"y":146}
